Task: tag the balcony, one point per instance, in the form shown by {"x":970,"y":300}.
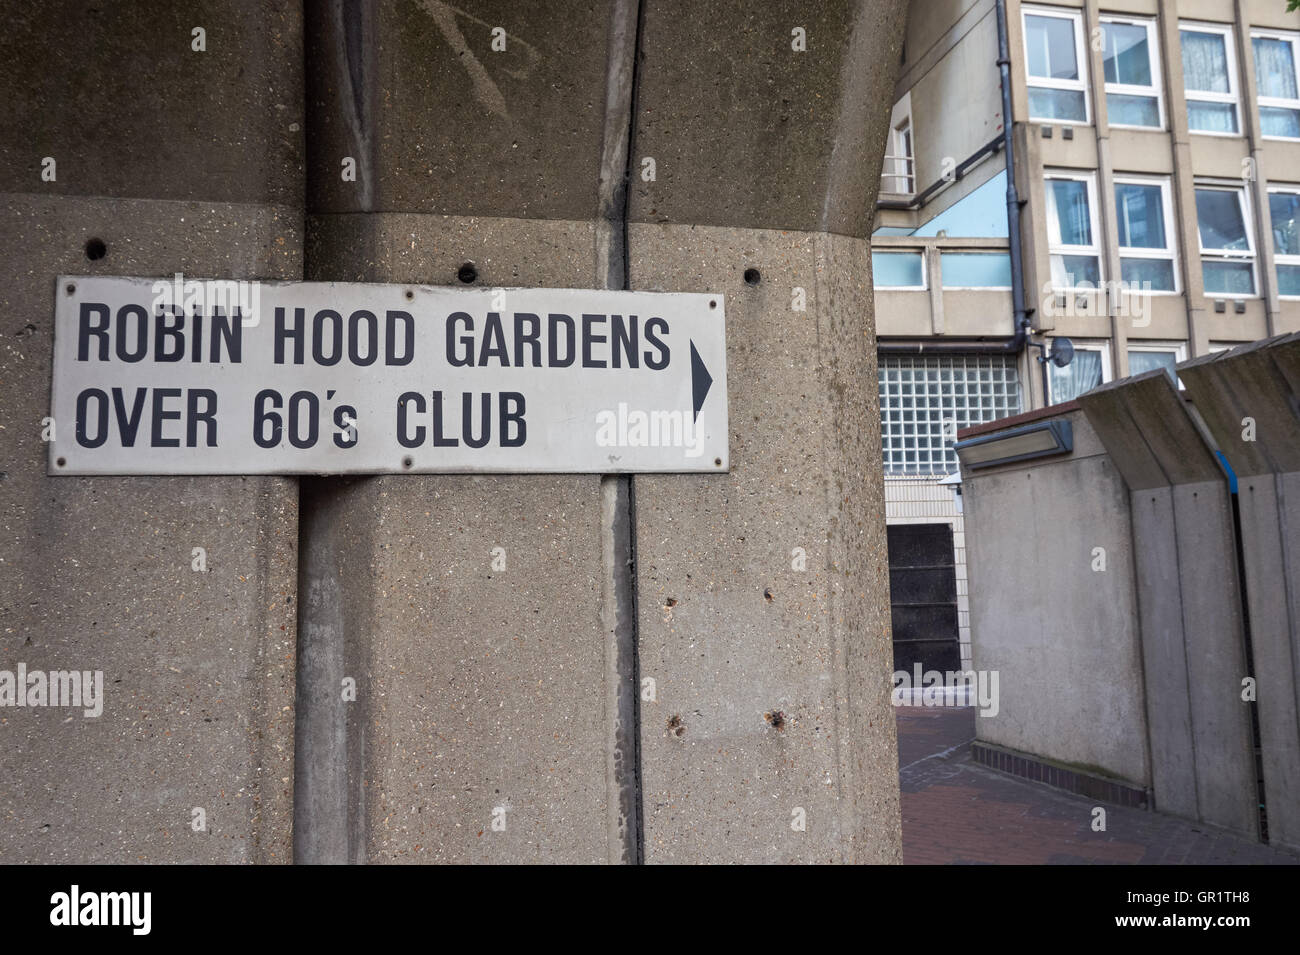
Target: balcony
{"x":930,"y":286}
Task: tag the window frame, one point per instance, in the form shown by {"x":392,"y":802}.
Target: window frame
{"x":1102,"y":345}
{"x":1089,"y":178}
{"x":901,"y":250}
{"x":1153,"y":62}
{"x":1227,"y":255}
{"x":1273,"y":101}
{"x":1170,"y":252}
{"x":1233,"y":96}
{"x":1283,"y":259}
{"x":1046,"y":82}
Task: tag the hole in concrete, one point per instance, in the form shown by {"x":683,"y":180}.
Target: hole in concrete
{"x":675,"y":725}
{"x":96,"y":249}
{"x":752,"y":276}
{"x":775,"y":719}
{"x":768,"y":595}
{"x":467,"y":273}
{"x":670,"y":603}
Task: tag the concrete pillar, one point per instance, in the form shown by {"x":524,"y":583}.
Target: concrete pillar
{"x":763,"y":595}
{"x":1247,"y":398}
{"x":1189,"y":602}
{"x":173,"y":159}
{"x":489,"y":694}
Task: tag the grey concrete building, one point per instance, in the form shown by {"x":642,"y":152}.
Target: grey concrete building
{"x":1149,"y":151}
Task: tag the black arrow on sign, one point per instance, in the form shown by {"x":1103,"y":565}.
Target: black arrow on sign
{"x":701,"y":381}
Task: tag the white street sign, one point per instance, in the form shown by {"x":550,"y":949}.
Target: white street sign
{"x":183,"y":376}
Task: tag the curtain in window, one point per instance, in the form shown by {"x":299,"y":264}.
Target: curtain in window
{"x":1284,"y":210}
{"x":1070,"y":200}
{"x":1080,"y":375}
{"x":1275,"y":68}
{"x":1140,"y":361}
{"x":1205,"y":62}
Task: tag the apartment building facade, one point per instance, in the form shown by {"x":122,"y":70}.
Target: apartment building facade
{"x":1144,"y":205}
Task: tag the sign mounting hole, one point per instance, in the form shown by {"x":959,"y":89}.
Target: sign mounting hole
{"x":62,"y":462}
{"x":408,"y":462}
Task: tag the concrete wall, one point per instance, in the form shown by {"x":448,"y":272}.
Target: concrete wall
{"x":190,"y":162}
{"x":500,"y":712}
{"x":1193,"y":632}
{"x":1258,"y":384}
{"x":1061,"y":632}
{"x":515,"y":693}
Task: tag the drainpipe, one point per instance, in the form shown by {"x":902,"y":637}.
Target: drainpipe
{"x":1016,"y":343}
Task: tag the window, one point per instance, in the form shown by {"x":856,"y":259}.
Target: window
{"x":1227,"y":252}
{"x":975,"y":269}
{"x":898,"y":175}
{"x":898,"y":270}
{"x":1209,"y":78}
{"x":1277,"y":83}
{"x":1089,"y":368}
{"x":926,"y":399}
{"x":1143,"y":219}
{"x":1129,"y":59}
{"x":1072,"y":230}
{"x":1284,"y":219}
{"x":902,"y":158}
{"x":1055,"y":64}
{"x":1149,"y":355}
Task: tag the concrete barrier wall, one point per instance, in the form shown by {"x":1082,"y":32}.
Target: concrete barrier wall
{"x":1193,"y":631}
{"x":1247,"y":397}
{"x":176,"y":161}
{"x":1054,"y":606}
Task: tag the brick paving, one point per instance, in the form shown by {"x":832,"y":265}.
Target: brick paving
{"x":956,"y":811}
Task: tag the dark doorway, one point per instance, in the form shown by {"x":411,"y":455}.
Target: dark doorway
{"x":923,"y":597}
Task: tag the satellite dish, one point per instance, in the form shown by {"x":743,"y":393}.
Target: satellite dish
{"x":1061,"y":353}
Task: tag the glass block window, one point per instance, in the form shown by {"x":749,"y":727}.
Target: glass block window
{"x":926,"y":399}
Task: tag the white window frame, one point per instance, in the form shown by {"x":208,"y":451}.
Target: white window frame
{"x":899,"y":169}
{"x":1274,"y":101}
{"x":897,"y":250}
{"x":1233,"y":95}
{"x":1279,"y":259}
{"x":1080,"y":58}
{"x":1153,"y":55}
{"x":1170,"y":253}
{"x":1177,"y":349}
{"x":1053,"y":247}
{"x":1222,"y":255}
{"x":1099,"y":345}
